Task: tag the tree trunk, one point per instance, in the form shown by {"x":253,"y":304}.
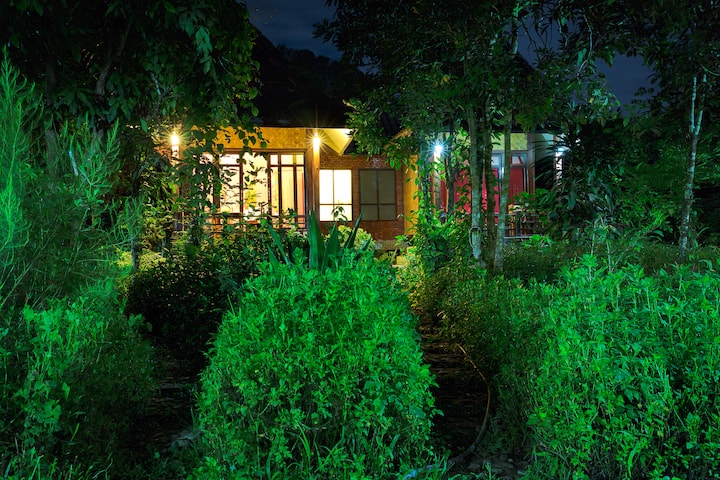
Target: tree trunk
{"x":476,"y":188}
{"x":697,"y":105}
{"x":450,"y":177}
{"x":490,"y":189}
{"x":504,"y":187}
{"x":504,"y":171}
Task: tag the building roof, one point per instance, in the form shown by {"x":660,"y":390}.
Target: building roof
{"x":286,"y":99}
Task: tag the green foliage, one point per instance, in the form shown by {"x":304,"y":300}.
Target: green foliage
{"x":474,"y":309}
{"x":600,"y":371}
{"x":363,"y":239}
{"x":324,"y":252}
{"x":76,"y":377}
{"x":57,"y":197}
{"x":316,"y":375}
{"x":627,"y":386}
{"x":17,"y":107}
{"x":76,"y":373}
{"x":136,"y":62}
{"x":181,"y":299}
{"x":440,"y":240}
{"x":538,"y":258}
{"x":183,"y":296}
{"x":77,"y":232}
{"x":593,"y":166}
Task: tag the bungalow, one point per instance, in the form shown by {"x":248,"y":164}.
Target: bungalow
{"x":309,"y":163}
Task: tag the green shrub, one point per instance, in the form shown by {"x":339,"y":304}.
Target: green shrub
{"x":316,"y":375}
{"x":438,"y":242}
{"x":539,"y":258}
{"x":183,"y":297}
{"x":475,"y":311}
{"x":426,"y":289}
{"x":627,"y":387}
{"x":181,"y":300}
{"x":363,"y":239}
{"x":77,"y":375}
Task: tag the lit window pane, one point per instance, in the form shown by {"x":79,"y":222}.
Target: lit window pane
{"x":343,"y":188}
{"x":255,"y":187}
{"x":326,"y":187}
{"x":229,"y":159}
{"x":335,"y":193}
{"x":326,"y":214}
{"x":230,"y":194}
{"x":288,"y":189}
{"x":274,"y":192}
{"x":300,"y":207}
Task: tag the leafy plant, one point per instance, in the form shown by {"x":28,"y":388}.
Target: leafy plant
{"x":77,"y":375}
{"x":438,"y":242}
{"x":625,"y":387}
{"x":316,"y":374}
{"x":183,"y":296}
{"x":323,"y":252}
{"x":18,"y":106}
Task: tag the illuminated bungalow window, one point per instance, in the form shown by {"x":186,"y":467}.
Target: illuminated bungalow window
{"x":335,"y":194}
{"x":266,"y":183}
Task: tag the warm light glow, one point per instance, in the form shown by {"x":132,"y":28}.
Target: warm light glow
{"x":335,"y":192}
{"x":175,"y":144}
{"x":316,"y":142}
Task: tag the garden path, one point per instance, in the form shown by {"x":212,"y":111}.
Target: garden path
{"x":462,"y":396}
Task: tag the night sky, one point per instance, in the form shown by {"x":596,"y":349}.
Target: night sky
{"x":290,"y":22}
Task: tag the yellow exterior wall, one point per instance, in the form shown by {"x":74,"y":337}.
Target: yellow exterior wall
{"x":410,"y":197}
{"x":276,"y":138}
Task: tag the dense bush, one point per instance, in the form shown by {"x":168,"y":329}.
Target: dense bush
{"x":183,"y":297}
{"x":316,"y":375}
{"x":628,"y":385}
{"x":75,"y":372}
{"x":607,"y":373}
{"x":181,"y":300}
{"x":363,"y":239}
{"x":474,"y":311}
{"x":610,"y":373}
{"x":76,"y":377}
{"x":538,"y":258}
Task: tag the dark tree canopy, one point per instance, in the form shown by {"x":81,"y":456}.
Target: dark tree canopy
{"x":133,"y":61}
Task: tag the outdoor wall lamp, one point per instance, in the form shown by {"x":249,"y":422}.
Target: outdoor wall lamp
{"x":174,"y":145}
{"x":316,"y":142}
